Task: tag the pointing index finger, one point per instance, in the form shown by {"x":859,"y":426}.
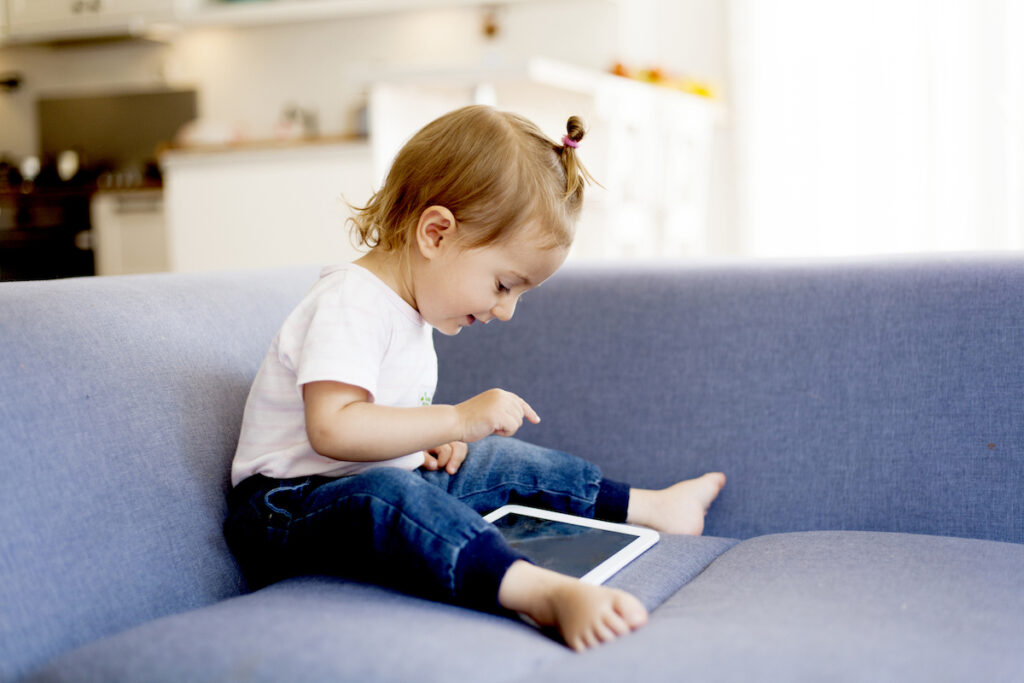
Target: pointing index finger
{"x":530,"y":413}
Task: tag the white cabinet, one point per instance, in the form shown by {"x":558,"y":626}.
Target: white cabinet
{"x":279,"y":205}
{"x":129,"y":232}
{"x":236,"y":208}
{"x":40,"y":20}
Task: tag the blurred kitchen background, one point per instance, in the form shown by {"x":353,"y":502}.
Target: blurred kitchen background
{"x":184,"y":135}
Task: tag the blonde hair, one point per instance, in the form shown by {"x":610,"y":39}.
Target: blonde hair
{"x":495,"y":171}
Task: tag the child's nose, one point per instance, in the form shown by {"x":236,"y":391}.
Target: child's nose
{"x":505,"y":310}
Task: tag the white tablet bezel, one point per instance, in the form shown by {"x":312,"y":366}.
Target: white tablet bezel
{"x":644,"y":538}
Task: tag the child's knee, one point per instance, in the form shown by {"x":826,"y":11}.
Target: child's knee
{"x":506,"y":450}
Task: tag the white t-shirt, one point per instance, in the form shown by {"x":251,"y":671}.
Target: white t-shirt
{"x":351,"y":328}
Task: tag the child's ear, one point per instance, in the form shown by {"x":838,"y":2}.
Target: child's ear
{"x":435,"y":229}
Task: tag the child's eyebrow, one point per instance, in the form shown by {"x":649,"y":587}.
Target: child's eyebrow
{"x":525,"y":280}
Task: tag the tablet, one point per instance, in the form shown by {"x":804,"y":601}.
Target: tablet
{"x":589,"y":549}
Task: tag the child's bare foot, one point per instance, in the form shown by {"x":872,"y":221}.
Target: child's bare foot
{"x":679,"y":509}
{"x":585,"y":615}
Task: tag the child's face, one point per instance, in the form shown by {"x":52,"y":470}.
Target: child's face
{"x":464,"y":286}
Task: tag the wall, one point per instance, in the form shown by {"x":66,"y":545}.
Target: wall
{"x":246,"y":76}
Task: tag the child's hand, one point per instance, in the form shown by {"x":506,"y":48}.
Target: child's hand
{"x":495,"y":411}
{"x":448,"y":457}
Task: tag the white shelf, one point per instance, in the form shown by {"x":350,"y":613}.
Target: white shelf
{"x":63,"y":24}
{"x":537,"y":71}
{"x":257,"y":12}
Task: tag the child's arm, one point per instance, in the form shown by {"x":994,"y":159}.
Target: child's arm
{"x":342,"y":423}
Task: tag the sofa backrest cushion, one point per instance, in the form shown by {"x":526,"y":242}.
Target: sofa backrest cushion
{"x":883,"y":395}
{"x":120,"y":408}
{"x":880,"y":396}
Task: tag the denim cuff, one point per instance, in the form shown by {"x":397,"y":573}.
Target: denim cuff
{"x":481,"y":566}
{"x":612,"y":504}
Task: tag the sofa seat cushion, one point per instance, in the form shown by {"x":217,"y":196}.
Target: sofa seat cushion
{"x":673,"y":562}
{"x":318,"y":628}
{"x":313,"y":629}
{"x":836,"y":606}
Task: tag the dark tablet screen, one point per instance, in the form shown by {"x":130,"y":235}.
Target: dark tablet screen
{"x":566,"y":548}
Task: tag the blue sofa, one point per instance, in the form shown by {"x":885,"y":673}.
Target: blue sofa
{"x":869,"y":415}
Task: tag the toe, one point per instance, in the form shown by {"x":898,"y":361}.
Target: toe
{"x":632,"y":611}
{"x":617,"y":625}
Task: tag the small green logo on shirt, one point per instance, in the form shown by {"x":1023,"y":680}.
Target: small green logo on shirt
{"x":426,"y":399}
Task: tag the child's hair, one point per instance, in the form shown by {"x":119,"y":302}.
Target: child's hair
{"x":495,"y":171}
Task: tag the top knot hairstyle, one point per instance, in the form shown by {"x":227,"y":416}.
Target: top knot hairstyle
{"x":575,"y":173}
{"x":495,"y":171}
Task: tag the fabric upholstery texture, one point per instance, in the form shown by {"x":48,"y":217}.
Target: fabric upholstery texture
{"x":121,"y":403}
{"x":310,"y":627}
{"x":870,"y":395}
{"x":836,"y":606}
{"x":880,"y":397}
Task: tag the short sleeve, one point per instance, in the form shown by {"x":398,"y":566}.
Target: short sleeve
{"x":340,"y":341}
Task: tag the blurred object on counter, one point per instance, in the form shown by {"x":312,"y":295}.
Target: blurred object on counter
{"x":126,"y":178}
{"x":658,"y":76}
{"x":10,"y":176}
{"x":296,"y":123}
{"x":68,"y":164}
{"x":10,"y":81}
{"x":358,"y":118}
{"x":29,"y":168}
{"x":209,"y":133}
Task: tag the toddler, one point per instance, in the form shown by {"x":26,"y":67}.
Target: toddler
{"x":346,"y":467}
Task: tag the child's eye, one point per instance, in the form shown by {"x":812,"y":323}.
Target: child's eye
{"x":502,"y":289}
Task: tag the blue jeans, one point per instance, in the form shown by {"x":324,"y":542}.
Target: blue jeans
{"x":420,"y":532}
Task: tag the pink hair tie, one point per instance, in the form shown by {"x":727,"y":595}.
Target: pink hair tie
{"x":569,"y":142}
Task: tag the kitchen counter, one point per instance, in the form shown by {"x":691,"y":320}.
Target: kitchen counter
{"x":263,"y":204}
{"x":267,"y":144}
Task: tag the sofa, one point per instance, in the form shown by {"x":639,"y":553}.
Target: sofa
{"x":869,"y":414}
